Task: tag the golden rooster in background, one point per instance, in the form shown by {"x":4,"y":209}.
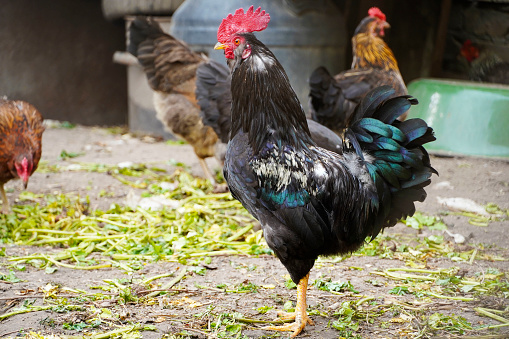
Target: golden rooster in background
{"x":333,"y":99}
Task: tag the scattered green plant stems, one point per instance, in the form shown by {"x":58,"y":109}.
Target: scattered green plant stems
{"x":489,"y":336}
{"x":198,"y":225}
{"x":58,"y":263}
{"x":439,"y":277}
{"x":122,"y":331}
{"x":120,"y":256}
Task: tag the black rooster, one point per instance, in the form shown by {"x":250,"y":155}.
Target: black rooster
{"x":333,"y":99}
{"x":311,"y":201}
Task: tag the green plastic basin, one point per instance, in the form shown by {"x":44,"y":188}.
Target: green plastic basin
{"x":469,"y":118}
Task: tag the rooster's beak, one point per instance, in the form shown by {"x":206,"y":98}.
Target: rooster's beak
{"x":386,"y":25}
{"x":219,"y":46}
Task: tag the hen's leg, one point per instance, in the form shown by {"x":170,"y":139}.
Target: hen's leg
{"x":206,"y":170}
{"x":5,"y":202}
{"x":300,"y":315}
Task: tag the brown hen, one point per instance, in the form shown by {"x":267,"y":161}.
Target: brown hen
{"x":21,"y":131}
{"x":170,"y":66}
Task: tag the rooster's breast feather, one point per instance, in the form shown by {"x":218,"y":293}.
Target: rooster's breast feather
{"x":312,"y":199}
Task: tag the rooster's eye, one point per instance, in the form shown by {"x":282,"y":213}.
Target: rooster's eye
{"x":237,"y":41}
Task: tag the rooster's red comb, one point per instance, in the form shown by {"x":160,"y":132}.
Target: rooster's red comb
{"x":469,"y":51}
{"x":242,"y":22}
{"x":375,"y":12}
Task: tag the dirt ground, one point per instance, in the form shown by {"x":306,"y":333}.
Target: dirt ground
{"x":482,"y":180}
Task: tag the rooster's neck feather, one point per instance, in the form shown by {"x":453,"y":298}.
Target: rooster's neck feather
{"x":264,"y":105}
{"x":372,"y":52}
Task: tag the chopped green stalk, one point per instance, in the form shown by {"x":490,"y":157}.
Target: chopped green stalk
{"x":365,"y":299}
{"x":41,"y":230}
{"x":256,"y":321}
{"x":169,"y":285}
{"x":450,"y":298}
{"x":496,"y":326}
{"x":128,"y":182}
{"x":240,"y":233}
{"x":28,"y":310}
{"x":474,"y":253}
{"x":415,"y":270}
{"x":215,"y":253}
{"x":146,"y":281}
{"x":37,"y":309}
{"x":486,"y":312}
{"x":122,"y":331}
{"x":111,"y":222}
{"x":206,"y":197}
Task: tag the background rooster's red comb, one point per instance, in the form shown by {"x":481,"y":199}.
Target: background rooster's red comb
{"x":242,"y":22}
{"x":375,"y":12}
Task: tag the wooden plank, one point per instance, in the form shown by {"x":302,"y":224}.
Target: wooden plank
{"x":438,"y":52}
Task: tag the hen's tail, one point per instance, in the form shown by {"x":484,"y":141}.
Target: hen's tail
{"x":143,"y":33}
{"x":213,"y":92}
{"x":167,"y":62}
{"x":393,"y":153}
{"x":333,"y":99}
{"x":142,"y":29}
{"x":326,"y":99}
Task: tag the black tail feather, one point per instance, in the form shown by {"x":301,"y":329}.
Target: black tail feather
{"x":370,"y":103}
{"x":398,"y":163}
{"x":390,"y":112}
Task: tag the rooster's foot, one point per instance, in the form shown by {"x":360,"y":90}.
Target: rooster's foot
{"x":295,"y":327}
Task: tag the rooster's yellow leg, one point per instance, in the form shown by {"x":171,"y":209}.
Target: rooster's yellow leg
{"x":300,"y":315}
{"x":206,"y":170}
{"x":5,"y":202}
